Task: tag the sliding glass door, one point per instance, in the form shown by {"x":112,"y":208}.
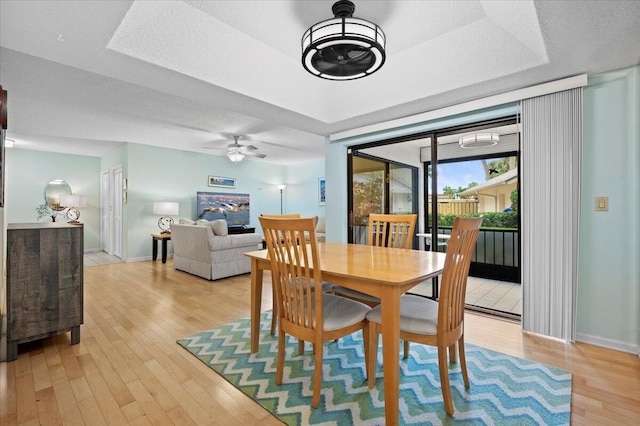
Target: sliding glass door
{"x":378,"y":185}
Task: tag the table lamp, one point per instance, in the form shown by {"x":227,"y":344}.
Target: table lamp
{"x":165,"y":209}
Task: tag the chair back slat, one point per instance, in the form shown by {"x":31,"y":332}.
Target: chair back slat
{"x":391,"y":230}
{"x":292,"y":279}
{"x":456,"y":270}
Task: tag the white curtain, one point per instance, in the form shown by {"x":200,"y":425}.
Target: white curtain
{"x":550,"y":204}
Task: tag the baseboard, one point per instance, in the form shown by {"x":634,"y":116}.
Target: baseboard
{"x":93,"y":250}
{"x":146,"y":258}
{"x":609,"y":343}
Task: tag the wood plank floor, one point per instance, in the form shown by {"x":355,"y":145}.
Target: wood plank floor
{"x":128,"y":369}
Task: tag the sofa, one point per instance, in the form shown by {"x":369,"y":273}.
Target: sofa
{"x":204,"y":248}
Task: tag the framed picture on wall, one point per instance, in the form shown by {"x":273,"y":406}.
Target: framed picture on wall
{"x":222,"y":182}
{"x":321,"y":191}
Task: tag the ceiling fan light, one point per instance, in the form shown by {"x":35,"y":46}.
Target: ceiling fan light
{"x":479,"y":140}
{"x":343,"y":48}
{"x":235,"y":157}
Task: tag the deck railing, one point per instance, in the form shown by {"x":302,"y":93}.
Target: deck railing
{"x":497,"y":253}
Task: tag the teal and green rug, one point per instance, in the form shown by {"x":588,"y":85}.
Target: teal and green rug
{"x":505,"y":390}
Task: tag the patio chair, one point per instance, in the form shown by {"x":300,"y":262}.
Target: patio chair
{"x":440,"y":323}
{"x":310,"y":316}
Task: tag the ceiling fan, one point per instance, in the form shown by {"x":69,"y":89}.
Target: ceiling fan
{"x":236,"y":151}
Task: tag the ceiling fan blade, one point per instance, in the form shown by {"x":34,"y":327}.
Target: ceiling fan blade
{"x":253,"y":154}
{"x":249,"y":147}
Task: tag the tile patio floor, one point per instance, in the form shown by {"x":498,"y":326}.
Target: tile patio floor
{"x":491,"y":294}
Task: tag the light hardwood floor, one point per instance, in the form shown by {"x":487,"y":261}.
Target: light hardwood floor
{"x":128,"y":369}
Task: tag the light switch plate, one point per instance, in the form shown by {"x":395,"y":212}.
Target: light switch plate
{"x":602,"y":204}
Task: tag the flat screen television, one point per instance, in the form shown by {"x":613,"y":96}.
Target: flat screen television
{"x":234,"y":208}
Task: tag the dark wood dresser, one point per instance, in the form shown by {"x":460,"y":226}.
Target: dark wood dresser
{"x":44,"y":282}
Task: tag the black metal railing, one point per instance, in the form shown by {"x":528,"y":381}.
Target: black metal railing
{"x":496,"y":257}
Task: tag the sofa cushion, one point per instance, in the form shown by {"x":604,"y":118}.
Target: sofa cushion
{"x":234,"y":241}
{"x":218,"y":226}
{"x":183,"y":221}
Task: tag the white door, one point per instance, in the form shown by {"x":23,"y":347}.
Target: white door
{"x":117,"y":211}
{"x":105,"y":212}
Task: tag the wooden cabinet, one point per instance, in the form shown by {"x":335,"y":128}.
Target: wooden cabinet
{"x":44,"y":282}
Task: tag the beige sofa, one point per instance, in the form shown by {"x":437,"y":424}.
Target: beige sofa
{"x":205,"y":249}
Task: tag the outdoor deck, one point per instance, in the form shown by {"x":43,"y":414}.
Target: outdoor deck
{"x":490,"y":294}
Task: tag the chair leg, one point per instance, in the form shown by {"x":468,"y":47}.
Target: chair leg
{"x":463,"y":362}
{"x":280,"y":362}
{"x":317,"y":375}
{"x":300,"y":346}
{"x":274,"y":313}
{"x":443,"y":365}
{"x":453,"y":357}
{"x":365,"y":343}
{"x":373,"y":354}
{"x":406,"y":349}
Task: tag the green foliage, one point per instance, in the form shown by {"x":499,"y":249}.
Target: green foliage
{"x":452,"y":192}
{"x":501,"y":220}
{"x":500,"y":165}
{"x":514,"y":200}
{"x":367,"y":196}
{"x":43,"y":210}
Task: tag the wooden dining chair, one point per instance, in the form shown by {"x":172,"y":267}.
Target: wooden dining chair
{"x":325,"y":286}
{"x":391,"y":230}
{"x":310,"y":316}
{"x":387,"y":230}
{"x":440,"y":323}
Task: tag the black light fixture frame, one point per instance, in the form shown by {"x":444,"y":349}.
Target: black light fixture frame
{"x":347,"y":54}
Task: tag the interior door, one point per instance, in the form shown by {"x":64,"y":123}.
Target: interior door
{"x":117,"y":211}
{"x":105,"y":212}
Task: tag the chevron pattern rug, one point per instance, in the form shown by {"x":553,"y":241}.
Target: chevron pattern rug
{"x":505,"y":390}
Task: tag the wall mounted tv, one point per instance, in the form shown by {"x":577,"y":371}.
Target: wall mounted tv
{"x":234,"y":208}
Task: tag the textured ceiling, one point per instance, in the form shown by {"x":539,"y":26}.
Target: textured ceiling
{"x":84,"y":77}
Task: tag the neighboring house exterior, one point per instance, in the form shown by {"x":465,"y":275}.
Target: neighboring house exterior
{"x":494,"y":195}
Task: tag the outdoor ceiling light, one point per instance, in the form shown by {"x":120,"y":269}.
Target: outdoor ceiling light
{"x":343,"y":48}
{"x":479,"y":140}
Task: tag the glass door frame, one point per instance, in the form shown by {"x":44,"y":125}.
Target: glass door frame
{"x":354,"y":152}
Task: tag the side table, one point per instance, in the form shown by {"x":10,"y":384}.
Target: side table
{"x":154,"y":246}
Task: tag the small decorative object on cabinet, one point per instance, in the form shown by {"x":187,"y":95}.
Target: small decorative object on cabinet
{"x":44,"y":282}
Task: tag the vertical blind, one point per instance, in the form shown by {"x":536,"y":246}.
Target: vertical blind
{"x":550,"y":186}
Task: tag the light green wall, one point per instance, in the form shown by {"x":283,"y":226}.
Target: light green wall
{"x":609,"y":275}
{"x":27,"y":174}
{"x":160,"y":174}
{"x":155,"y":174}
{"x":608,"y":305}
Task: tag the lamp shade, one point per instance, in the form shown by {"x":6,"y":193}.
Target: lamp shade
{"x":73,"y":200}
{"x":165,"y":208}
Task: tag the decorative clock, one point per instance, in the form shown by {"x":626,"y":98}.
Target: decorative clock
{"x":73,"y":215}
{"x":165,"y":223}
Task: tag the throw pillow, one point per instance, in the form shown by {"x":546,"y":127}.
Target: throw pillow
{"x":219,"y":227}
{"x":183,"y":221}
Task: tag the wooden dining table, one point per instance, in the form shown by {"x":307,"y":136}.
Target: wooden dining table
{"x":385,"y":273}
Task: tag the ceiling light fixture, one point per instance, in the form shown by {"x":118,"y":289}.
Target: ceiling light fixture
{"x":343,"y":48}
{"x":235,"y":156}
{"x":479,"y":140}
